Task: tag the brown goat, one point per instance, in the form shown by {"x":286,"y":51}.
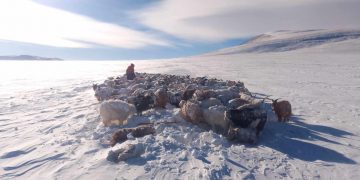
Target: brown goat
{"x":282,"y":109}
{"x":140,"y":131}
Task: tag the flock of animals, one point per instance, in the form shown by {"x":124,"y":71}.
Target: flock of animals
{"x":227,"y":107}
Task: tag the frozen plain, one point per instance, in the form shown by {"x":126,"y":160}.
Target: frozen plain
{"x":50,"y":127}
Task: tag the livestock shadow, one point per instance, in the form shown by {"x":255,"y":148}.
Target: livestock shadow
{"x":293,"y":139}
{"x":138,"y":161}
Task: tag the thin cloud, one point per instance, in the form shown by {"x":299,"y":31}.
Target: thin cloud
{"x":218,"y":20}
{"x":27,"y":21}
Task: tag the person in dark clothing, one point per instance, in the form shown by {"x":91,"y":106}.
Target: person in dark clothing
{"x":130,"y":72}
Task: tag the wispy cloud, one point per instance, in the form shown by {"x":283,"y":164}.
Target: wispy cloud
{"x":218,"y":20}
{"x":27,"y":21}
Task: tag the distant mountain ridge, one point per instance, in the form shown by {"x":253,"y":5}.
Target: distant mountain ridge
{"x":286,"y":40}
{"x":29,"y":57}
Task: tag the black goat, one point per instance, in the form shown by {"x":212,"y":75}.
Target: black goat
{"x":247,"y":117}
{"x":143,"y":102}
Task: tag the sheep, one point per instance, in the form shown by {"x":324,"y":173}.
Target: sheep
{"x":224,"y":95}
{"x":215,"y":117}
{"x":282,"y":109}
{"x":121,"y":92}
{"x":234,"y":89}
{"x":110,"y":83}
{"x":191,"y":111}
{"x":136,"y":86}
{"x":200,"y":80}
{"x":138,"y":92}
{"x":115,"y":112}
{"x":201,"y":94}
{"x":103,"y":93}
{"x":247,"y":97}
{"x":230,"y":83}
{"x":161,"y":98}
{"x":126,"y":152}
{"x":211,"y":82}
{"x":210,"y":102}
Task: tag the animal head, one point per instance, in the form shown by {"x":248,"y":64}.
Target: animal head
{"x":274,"y":102}
{"x":182,"y":103}
{"x":94,"y":86}
{"x":147,"y":99}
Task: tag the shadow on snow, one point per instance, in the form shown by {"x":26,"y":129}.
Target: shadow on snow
{"x":290,"y":138}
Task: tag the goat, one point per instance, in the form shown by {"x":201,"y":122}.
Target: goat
{"x":174,"y":98}
{"x":140,"y":131}
{"x":282,"y":109}
{"x":143,"y":102}
{"x":247,"y":116}
{"x":188,"y":93}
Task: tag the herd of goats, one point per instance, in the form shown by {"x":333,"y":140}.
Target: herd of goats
{"x":227,"y":107}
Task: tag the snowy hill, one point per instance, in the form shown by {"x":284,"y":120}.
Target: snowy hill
{"x":282,"y":41}
{"x":29,"y":58}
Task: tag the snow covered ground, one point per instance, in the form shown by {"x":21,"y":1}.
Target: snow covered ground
{"x":50,"y":126}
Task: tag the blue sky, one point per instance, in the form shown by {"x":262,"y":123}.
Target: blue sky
{"x":144,"y":29}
